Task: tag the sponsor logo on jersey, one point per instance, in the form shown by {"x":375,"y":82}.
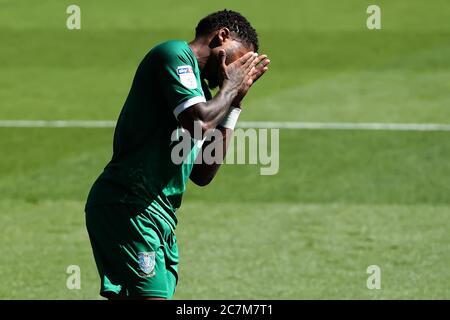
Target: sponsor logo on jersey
{"x":184,"y":69}
{"x":187,"y":77}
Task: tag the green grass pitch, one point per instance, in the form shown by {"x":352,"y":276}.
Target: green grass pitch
{"x":342,"y":200}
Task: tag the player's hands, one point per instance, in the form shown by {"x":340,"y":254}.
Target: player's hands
{"x":261,"y":67}
{"x":237,"y":74}
{"x":261,"y":64}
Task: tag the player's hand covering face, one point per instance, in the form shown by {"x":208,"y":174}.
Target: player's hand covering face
{"x":229,"y":48}
{"x":242,"y":72}
{"x":259,"y":67}
{"x":240,"y":67}
{"x":238,"y":72}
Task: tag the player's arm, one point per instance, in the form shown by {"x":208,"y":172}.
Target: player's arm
{"x":203,"y":173}
{"x":207,"y":115}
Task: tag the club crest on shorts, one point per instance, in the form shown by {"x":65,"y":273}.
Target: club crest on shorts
{"x":187,"y":77}
{"x":147,"y":261}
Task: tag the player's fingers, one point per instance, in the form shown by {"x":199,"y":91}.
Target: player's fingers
{"x":252,"y":72}
{"x":264,"y":63}
{"x":259,"y":73}
{"x":250,"y":62}
{"x":242,"y":60}
{"x":260,"y":66}
{"x":255,"y":71}
{"x":257,"y":62}
{"x":260,"y":58}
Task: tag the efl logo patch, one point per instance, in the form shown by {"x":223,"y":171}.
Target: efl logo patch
{"x":187,"y":77}
{"x":147,"y":262}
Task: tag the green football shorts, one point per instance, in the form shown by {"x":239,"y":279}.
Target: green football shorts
{"x":135,"y":251}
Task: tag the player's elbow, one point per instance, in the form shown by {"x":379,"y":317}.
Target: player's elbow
{"x":204,"y":126}
{"x":201,"y":181}
{"x":195,"y":124}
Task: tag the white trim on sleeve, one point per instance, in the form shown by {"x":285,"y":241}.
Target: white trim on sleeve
{"x":188,"y":103}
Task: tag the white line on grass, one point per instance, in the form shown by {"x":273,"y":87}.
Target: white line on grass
{"x":251,"y":124}
{"x":57,"y":123}
{"x":349,"y":126}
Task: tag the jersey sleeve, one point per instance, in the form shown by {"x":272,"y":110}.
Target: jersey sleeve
{"x":180,"y":80}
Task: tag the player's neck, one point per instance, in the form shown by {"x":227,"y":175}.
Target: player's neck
{"x":201,"y":51}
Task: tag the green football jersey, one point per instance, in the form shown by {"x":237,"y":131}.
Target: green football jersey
{"x":141,"y":170}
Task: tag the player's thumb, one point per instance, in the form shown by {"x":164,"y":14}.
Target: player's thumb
{"x":222,"y":58}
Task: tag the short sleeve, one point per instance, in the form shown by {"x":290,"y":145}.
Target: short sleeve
{"x":179,"y":79}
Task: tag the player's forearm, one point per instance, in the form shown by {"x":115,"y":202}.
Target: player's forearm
{"x":208,"y":115}
{"x":203,"y":173}
{"x":215,"y":109}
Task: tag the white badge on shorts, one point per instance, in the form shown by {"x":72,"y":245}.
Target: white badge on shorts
{"x":147,"y":262}
{"x":187,"y":77}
